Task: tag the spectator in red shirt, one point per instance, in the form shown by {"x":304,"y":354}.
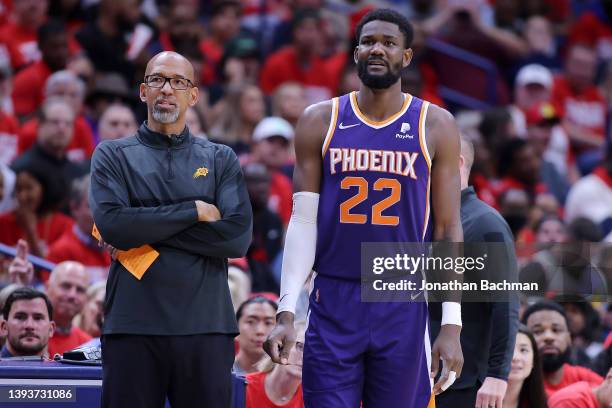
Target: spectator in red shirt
{"x":548,"y":323}
{"x":300,"y":62}
{"x":20,"y":34}
{"x":77,"y":244}
{"x":39,"y":191}
{"x":583,"y":107}
{"x":279,"y":385}
{"x":9,"y":126}
{"x":595,"y":29}
{"x":584,"y":395}
{"x":30,"y":83}
{"x":256,"y":318}
{"x":224,"y":25}
{"x":66,"y":289}
{"x":67,"y":86}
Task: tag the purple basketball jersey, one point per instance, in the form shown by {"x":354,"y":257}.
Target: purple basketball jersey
{"x":375,"y":184}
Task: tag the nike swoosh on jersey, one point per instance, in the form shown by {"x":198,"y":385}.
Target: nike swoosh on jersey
{"x":343,"y":126}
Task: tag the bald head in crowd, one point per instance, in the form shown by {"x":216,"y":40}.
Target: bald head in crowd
{"x":116,"y":122}
{"x":466,"y":159}
{"x":66,"y":288}
{"x":66,"y":85}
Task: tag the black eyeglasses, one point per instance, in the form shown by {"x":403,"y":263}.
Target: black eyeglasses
{"x":158,"y":81}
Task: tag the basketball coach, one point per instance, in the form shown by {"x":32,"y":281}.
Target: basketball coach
{"x":169,"y":325}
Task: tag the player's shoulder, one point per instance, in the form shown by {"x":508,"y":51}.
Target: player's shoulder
{"x":440,"y":125}
{"x":320,"y":111}
{"x":314,"y":121}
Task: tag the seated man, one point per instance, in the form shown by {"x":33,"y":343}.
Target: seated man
{"x":27,"y":323}
{"x":548,"y":323}
{"x":583,"y":394}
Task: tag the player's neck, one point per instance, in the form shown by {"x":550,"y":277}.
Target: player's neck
{"x":380,"y":104}
{"x":281,"y":387}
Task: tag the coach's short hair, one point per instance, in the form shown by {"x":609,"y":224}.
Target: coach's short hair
{"x":390,"y":16}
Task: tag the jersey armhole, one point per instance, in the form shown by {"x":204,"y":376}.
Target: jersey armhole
{"x":332,"y":127}
{"x":422,"y":135}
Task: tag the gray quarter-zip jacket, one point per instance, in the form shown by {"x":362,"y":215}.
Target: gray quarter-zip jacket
{"x":143,"y":191}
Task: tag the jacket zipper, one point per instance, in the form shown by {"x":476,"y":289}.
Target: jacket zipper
{"x":170,"y":172}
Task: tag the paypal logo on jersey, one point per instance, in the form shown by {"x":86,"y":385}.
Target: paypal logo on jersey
{"x":403,"y":134}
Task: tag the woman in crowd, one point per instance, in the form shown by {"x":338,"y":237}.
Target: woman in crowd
{"x":90,"y":318}
{"x":279,"y":385}
{"x":39,"y":192}
{"x":525,"y":381}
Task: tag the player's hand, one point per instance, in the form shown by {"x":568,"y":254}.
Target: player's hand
{"x":491,"y":393}
{"x":281,"y":339}
{"x":448,"y":348}
{"x":207,"y":212}
{"x":21,"y":271}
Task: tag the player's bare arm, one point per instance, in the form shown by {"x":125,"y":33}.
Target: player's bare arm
{"x":309,"y":136}
{"x":444,"y":146}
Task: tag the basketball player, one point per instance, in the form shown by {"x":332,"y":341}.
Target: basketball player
{"x":378,"y":166}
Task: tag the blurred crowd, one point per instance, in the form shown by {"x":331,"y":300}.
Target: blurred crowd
{"x":529,"y":82}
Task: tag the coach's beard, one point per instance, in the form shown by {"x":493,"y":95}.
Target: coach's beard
{"x":165,"y":116}
{"x":553,"y":362}
{"x":378,"y":81}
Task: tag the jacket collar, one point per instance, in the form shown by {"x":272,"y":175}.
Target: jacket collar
{"x":161,"y":140}
{"x":467,"y":193}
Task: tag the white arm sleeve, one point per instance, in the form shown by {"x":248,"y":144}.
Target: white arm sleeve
{"x":300,"y":247}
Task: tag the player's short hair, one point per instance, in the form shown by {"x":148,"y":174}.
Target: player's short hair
{"x":390,"y":16}
{"x":25,"y":293}
{"x":256,"y":299}
{"x":544,"y":305}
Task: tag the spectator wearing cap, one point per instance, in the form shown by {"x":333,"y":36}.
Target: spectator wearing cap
{"x":541,"y":121}
{"x":582,"y":106}
{"x":267,"y":230}
{"x":594,"y":28}
{"x":591,"y":197}
{"x":77,"y":243}
{"x":548,"y":323}
{"x":28,"y":92}
{"x":9,"y":127}
{"x":301,"y":61}
{"x":67,"y":86}
{"x":20,"y":34}
{"x":27,"y":323}
{"x":271,"y":146}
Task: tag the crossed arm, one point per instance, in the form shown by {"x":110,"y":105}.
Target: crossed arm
{"x":174,"y":225}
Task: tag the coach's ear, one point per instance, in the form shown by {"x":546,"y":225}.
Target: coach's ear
{"x":143,"y":93}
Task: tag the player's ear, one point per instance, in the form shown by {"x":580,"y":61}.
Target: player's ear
{"x":407,"y":57}
{"x":143,"y":93}
{"x":355,"y":54}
